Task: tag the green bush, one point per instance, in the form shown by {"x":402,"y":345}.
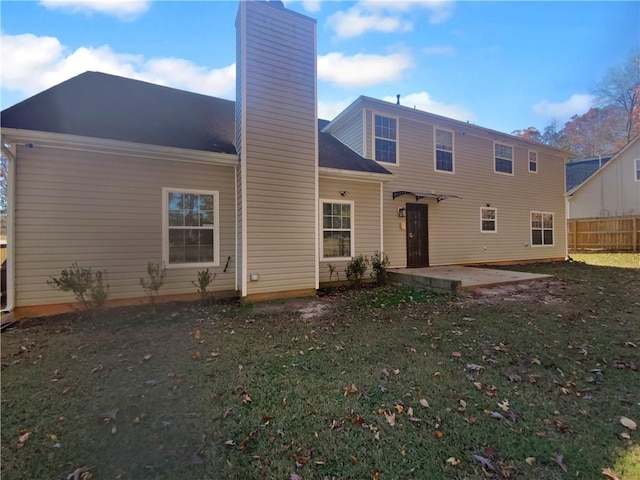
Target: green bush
{"x":379,"y":264}
{"x":355,"y":270}
{"x":89,"y":287}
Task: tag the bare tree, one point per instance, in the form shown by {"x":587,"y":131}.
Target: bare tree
{"x":621,"y":87}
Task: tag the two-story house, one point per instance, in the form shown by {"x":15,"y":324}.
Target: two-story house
{"x":114,"y":173}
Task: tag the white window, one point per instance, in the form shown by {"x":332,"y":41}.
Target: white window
{"x":444,"y":150}
{"x":503,"y":158}
{"x":190,"y":228}
{"x":541,"y":228}
{"x":533,"y":161}
{"x":637,"y":163}
{"x":386,"y":139}
{"x":337,"y":229}
{"x":488,"y":220}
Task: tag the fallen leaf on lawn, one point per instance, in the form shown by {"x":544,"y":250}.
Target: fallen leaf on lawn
{"x":215,"y":354}
{"x":456,"y":354}
{"x":437,"y":434}
{"x":514,"y":377}
{"x":463,"y":406}
{"x":350,"y":389}
{"x":197,"y":334}
{"x":424,"y":403}
{"x":484,"y":461}
{"x":609,"y":473}
{"x":453,"y":461}
{"x":410,"y":412}
{"x":109,"y":415}
{"x":625,"y":435}
{"x":53,"y":438}
{"x":390,"y":417}
{"x":530,"y":461}
{"x":375,"y":475}
{"x":504,"y":405}
{"x":151,"y":383}
{"x":474,"y":367}
{"x":354,"y":459}
{"x":227,"y":411}
{"x":195,"y":355}
{"x":24,"y":437}
{"x":67,"y":389}
{"x":399,"y":408}
{"x":136,"y":420}
{"x":559,"y":459}
{"x":81,"y":473}
{"x":627,"y":422}
{"x":246,"y":398}
{"x":114,"y":429}
{"x":147,"y":356}
{"x":230,"y":443}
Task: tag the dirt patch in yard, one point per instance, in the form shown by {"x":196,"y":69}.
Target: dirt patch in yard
{"x":547,"y":291}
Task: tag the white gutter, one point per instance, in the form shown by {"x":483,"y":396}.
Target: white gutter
{"x":11,"y":244}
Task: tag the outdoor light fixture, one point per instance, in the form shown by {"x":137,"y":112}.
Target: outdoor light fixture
{"x":343,"y":193}
{"x":402,"y":212}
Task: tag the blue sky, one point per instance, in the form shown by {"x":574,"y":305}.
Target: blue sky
{"x":502,"y":65}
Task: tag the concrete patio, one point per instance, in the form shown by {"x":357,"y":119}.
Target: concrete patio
{"x":451,"y":278}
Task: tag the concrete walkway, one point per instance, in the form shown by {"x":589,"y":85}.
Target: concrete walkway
{"x":454,"y":277}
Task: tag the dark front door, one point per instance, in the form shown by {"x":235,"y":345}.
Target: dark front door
{"x":417,"y":236}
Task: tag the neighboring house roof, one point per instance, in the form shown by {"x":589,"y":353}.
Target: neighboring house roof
{"x":579,"y":170}
{"x":100,"y":105}
{"x":634,"y":143}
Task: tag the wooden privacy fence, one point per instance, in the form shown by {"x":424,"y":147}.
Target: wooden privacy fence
{"x":615,"y":234}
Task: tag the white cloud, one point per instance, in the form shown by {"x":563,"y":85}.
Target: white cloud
{"x":362,"y":69}
{"x":330,"y":110}
{"x":577,"y":104}
{"x":386,"y":16}
{"x":312,"y":5}
{"x":32,"y":64}
{"x":123,"y":9}
{"x":440,"y":50}
{"x":423,"y":101}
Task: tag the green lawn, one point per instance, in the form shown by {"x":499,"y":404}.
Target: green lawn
{"x":376,"y":384}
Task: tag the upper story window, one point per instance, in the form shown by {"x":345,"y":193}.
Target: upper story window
{"x":503,"y":158}
{"x":488,"y":219}
{"x":190,"y":233}
{"x":444,"y":150}
{"x":386,"y":139}
{"x":637,"y":164}
{"x":533,"y":161}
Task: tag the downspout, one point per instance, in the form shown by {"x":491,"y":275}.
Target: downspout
{"x":11,"y":244}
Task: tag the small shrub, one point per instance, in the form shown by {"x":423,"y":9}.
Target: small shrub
{"x":89,"y":287}
{"x":379,"y":264}
{"x":204,"y":280}
{"x":355,"y":270}
{"x":153,"y":282}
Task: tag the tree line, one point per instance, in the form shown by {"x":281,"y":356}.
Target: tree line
{"x":611,"y":123}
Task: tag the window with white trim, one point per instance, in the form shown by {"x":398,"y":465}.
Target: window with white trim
{"x":637,"y":164}
{"x":386,"y":139}
{"x":337,"y":229}
{"x":503,"y":158}
{"x":444,"y":150}
{"x":541,"y":228}
{"x":488,"y":220}
{"x":533,"y":161}
{"x":190,"y":236}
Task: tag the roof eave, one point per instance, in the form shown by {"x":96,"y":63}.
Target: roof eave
{"x":355,"y":175}
{"x":117,"y":147}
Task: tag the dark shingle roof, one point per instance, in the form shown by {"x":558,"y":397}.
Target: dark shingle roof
{"x":579,"y":170}
{"x":106,"y":106}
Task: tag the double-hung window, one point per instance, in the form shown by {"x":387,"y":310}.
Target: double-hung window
{"x":541,"y":228}
{"x":503,"y":158}
{"x":488,"y":220}
{"x":386,"y":139}
{"x":444,"y":150}
{"x":533,"y":161}
{"x":337,"y":229}
{"x":190,"y":219}
{"x":637,"y":167}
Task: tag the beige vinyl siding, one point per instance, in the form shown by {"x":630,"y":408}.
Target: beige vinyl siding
{"x":351,"y":132}
{"x":105,"y":212}
{"x":454,"y":224}
{"x":279,"y":148}
{"x":611,"y":192}
{"x":366,"y":212}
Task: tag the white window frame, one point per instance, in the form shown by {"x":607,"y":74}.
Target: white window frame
{"x":495,"y":219}
{"x":495,"y":158}
{"x":215,"y":228}
{"x":436,"y":149}
{"x":636,"y":163}
{"x":529,"y":161}
{"x":351,"y":204}
{"x":375,"y":137}
{"x":542,"y":229}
